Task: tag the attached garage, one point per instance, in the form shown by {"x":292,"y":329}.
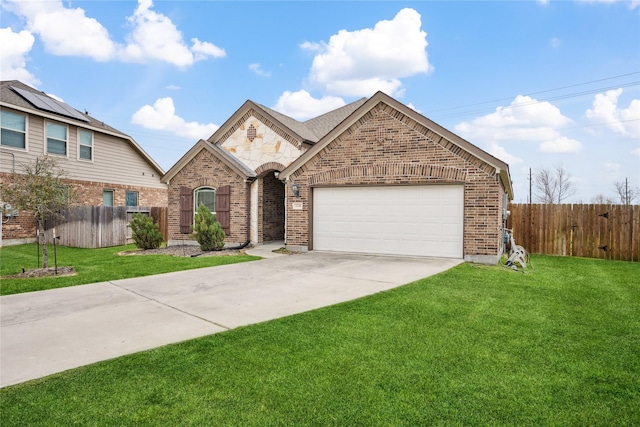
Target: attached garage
{"x":418,"y":220}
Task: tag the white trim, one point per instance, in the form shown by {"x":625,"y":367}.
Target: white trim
{"x":46,"y":137}
{"x":79,"y":144}
{"x":26,"y":134}
{"x":195,"y":190}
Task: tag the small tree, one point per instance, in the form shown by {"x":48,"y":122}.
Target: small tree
{"x":208,"y":231}
{"x":144,"y":232}
{"x":39,"y":189}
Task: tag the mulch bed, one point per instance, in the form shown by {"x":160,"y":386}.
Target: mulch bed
{"x":181,"y":251}
{"x":43,"y":272}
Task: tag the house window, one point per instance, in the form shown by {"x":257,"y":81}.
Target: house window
{"x":206,"y":196}
{"x":85,"y":144}
{"x":14,"y":130}
{"x":132,"y":198}
{"x":107,"y":197}
{"x":56,"y":139}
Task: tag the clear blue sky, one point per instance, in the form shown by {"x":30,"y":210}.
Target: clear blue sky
{"x":536,"y":83}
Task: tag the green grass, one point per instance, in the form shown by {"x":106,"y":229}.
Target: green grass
{"x":472,"y":346}
{"x":94,"y":265}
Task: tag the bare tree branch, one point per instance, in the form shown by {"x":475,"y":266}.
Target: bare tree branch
{"x":626,"y":192}
{"x":553,"y":186}
{"x":564,"y":185}
{"x":601,"y":199}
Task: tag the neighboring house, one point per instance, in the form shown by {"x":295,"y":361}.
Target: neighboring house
{"x":373,"y":176}
{"x":106,"y":166}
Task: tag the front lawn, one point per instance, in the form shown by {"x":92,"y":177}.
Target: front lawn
{"x":472,"y":346}
{"x":94,"y":265}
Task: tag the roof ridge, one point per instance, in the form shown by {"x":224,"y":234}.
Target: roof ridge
{"x":315,"y":128}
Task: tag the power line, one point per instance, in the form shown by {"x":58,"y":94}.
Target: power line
{"x":538,"y":101}
{"x":538,"y":92}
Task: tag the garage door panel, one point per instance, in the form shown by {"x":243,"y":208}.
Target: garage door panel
{"x":410,"y":220}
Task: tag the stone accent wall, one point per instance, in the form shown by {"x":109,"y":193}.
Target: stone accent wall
{"x":255,"y":143}
{"x":386,"y":147}
{"x":88,"y":193}
{"x":205,"y":170}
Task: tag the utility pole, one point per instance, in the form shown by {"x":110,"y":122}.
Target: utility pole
{"x":530,"y":183}
{"x":626,"y":191}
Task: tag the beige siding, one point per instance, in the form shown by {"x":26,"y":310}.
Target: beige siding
{"x":114,"y":159}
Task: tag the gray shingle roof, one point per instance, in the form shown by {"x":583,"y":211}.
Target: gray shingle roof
{"x":9,"y":96}
{"x":313,"y":130}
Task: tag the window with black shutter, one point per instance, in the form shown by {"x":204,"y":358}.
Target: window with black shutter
{"x":223,"y":208}
{"x":186,"y":210}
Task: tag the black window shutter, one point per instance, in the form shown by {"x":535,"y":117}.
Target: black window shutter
{"x":223,"y":208}
{"x":186,"y":210}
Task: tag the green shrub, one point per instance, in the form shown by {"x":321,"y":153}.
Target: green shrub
{"x":208,"y":231}
{"x":144,"y":232}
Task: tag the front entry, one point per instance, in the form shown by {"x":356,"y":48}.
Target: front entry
{"x":272,"y":218}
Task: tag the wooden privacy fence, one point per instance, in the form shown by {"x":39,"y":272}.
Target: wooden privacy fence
{"x":592,"y":231}
{"x":100,"y":226}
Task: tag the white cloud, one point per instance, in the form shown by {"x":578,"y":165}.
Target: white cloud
{"x":162,"y":116}
{"x":66,"y":31}
{"x":301,"y":105}
{"x":561,"y":144}
{"x":636,"y":151}
{"x":525,"y":119}
{"x":414,"y":108}
{"x":256,"y":68}
{"x":499,"y":152}
{"x":154,"y":36}
{"x":361,"y":62}
{"x":554,"y":42}
{"x":623,"y":121}
{"x":311,"y":46}
{"x":13,"y":56}
{"x":69,"y":32}
{"x":204,"y":49}
{"x":172,"y":87}
{"x":632,"y":4}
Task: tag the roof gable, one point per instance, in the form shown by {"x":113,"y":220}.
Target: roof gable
{"x":220,"y":153}
{"x":296,"y":132}
{"x":451,"y":141}
{"x":12,"y":98}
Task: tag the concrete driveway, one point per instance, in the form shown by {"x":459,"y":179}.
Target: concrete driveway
{"x":45,"y":332}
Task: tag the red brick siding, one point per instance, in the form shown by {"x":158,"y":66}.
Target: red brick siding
{"x":205,"y":170}
{"x":272,"y":208}
{"x":386,"y":147}
{"x":88,"y":193}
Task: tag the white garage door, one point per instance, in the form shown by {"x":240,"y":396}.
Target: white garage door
{"x":424,"y":220}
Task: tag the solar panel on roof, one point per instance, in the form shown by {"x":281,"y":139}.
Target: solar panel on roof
{"x":49,"y":104}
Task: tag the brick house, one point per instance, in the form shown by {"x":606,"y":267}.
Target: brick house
{"x":373,"y":176}
{"x":105,"y":165}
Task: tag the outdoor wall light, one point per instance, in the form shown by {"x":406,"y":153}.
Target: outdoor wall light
{"x":295,"y":189}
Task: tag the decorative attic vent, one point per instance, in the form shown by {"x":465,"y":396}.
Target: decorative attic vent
{"x":251,"y":133}
{"x":380,"y":135}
